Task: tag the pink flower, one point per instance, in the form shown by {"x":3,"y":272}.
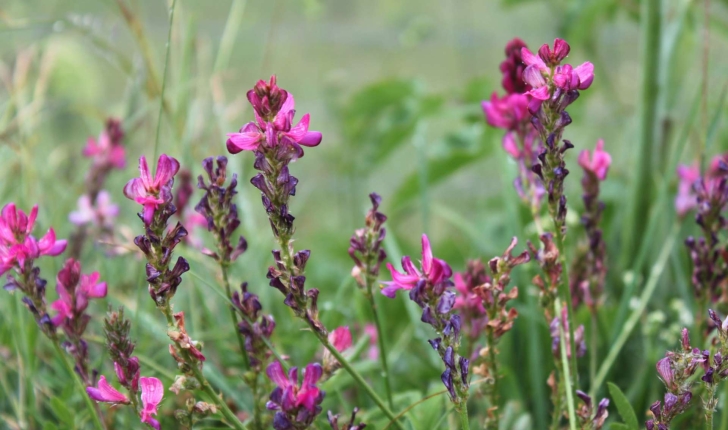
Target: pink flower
{"x":686,"y":198}
{"x":434,"y":271}
{"x":568,"y":78}
{"x":152,"y":192}
{"x":275,"y":127}
{"x":101,"y":214}
{"x":107,"y":152}
{"x":74,"y":291}
{"x":508,"y":112}
{"x":106,"y":393}
{"x":340,"y":338}
{"x":467,"y":298}
{"x":546,"y":69}
{"x":288,"y":395}
{"x":512,"y":68}
{"x":152,"y":393}
{"x":373,"y":351}
{"x":16,"y":241}
{"x":599,"y":162}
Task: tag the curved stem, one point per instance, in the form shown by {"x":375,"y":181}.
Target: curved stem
{"x":358,"y":378}
{"x":77,"y":380}
{"x":241,"y":342}
{"x":380,"y":341}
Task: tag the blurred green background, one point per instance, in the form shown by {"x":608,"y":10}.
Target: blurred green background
{"x":395,"y":88}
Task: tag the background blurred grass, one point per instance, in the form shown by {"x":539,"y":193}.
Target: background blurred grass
{"x":395,"y":88}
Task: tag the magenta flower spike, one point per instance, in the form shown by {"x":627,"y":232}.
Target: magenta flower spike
{"x":274,"y":111}
{"x":17,"y":245}
{"x":433,"y":269}
{"x":341,"y":338}
{"x":152,"y":393}
{"x":104,"y":392}
{"x":295,"y":405}
{"x":597,"y":163}
{"x":152,"y":192}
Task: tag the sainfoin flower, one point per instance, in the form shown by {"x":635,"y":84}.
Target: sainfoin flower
{"x":102,"y":213}
{"x":151,"y":192}
{"x":152,"y":393}
{"x":74,"y":291}
{"x":597,"y":163}
{"x":273,"y":122}
{"x":104,"y":392}
{"x":341,"y":338}
{"x":107,"y":151}
{"x":507,"y":112}
{"x":294,"y":403}
{"x":17,"y":243}
{"x":433,"y":269}
{"x":545,"y":70}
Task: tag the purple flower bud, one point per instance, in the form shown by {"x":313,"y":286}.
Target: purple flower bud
{"x":664,"y":369}
{"x":685,"y":339}
{"x":435,"y":343}
{"x":446,"y":378}
{"x":670,"y":402}
{"x":464,"y":368}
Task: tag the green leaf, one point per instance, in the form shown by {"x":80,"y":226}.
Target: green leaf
{"x":618,"y":426}
{"x":62,"y":412}
{"x":623,"y":407}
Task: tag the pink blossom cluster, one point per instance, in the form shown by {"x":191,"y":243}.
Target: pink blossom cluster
{"x":18,"y":247}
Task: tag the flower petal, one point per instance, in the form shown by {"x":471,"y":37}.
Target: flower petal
{"x":106,"y":393}
{"x":167,"y":167}
{"x":275,"y":373}
{"x":152,"y":393}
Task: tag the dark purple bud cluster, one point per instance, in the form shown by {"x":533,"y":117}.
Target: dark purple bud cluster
{"x":579,"y":341}
{"x":296,"y":403}
{"x":254,"y":326}
{"x":121,"y":348}
{"x":551,"y":168}
{"x":158,"y":246}
{"x":334,"y":422}
{"x":34,"y":289}
{"x":365,"y":246}
{"x":675,"y":370}
{"x":219,"y":210}
{"x":548,"y":258}
{"x":590,"y":419}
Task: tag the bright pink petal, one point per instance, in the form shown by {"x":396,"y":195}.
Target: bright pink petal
{"x":426,"y":255}
{"x":307,"y":397}
{"x":406,"y":280}
{"x":63,"y":309}
{"x":47,"y":245}
{"x":312,"y":374}
{"x":91,"y":148}
{"x":311,"y":138}
{"x":510,"y":145}
{"x":561,"y":49}
{"x":533,"y":77}
{"x":541,"y":93}
{"x":106,"y":393}
{"x":167,"y":167}
{"x":31,"y":219}
{"x":134,"y":189}
{"x":97,"y":290}
{"x":586,"y":75}
{"x":288,"y":105}
{"x":144,"y":175}
{"x":277,"y":375}
{"x":148,"y":215}
{"x":532,"y":60}
{"x":152,"y":393}
{"x":248,"y":141}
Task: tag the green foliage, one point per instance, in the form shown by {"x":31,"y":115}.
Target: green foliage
{"x":624,"y":408}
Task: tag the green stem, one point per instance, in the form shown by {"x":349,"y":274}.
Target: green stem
{"x":164,"y":78}
{"x":380,"y":338}
{"x":709,"y":406}
{"x":556,"y":400}
{"x":643,"y":184}
{"x":358,"y":378}
{"x":77,"y":380}
{"x":233,"y":315}
{"x":724,"y":415}
{"x":567,"y":378}
{"x":463,"y":412}
{"x":565,"y":294}
{"x":594,"y":345}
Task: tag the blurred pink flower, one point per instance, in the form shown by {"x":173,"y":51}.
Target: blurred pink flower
{"x":107,"y":151}
{"x":16,"y":241}
{"x":373,"y":351}
{"x":507,"y":112}
{"x":512,"y":68}
{"x":102,"y":213}
{"x":74,"y":291}
{"x":466,"y":297}
{"x":686,"y":198}
{"x":152,"y":192}
{"x":598,"y":163}
{"x":434,"y":271}
{"x":104,"y":392}
{"x":152,"y":393}
{"x":341,"y":338}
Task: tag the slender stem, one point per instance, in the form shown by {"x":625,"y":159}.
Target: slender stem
{"x":567,"y":377}
{"x":358,"y":378}
{"x":233,"y":315}
{"x":709,"y":406}
{"x":79,"y":384}
{"x":463,"y":411}
{"x":594,"y":345}
{"x":164,"y":78}
{"x":556,"y":400}
{"x":493,"y":390}
{"x":724,"y":415}
{"x":380,"y":333}
{"x":565,"y":294}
